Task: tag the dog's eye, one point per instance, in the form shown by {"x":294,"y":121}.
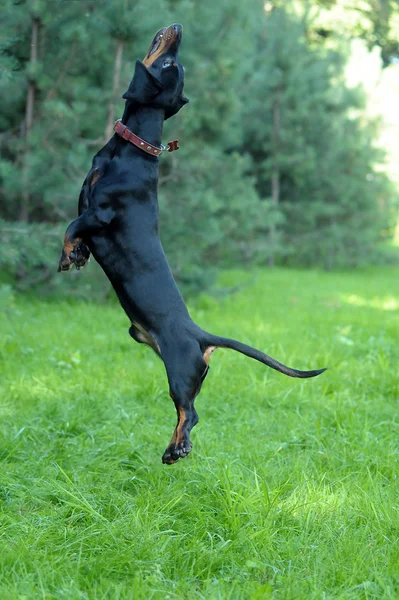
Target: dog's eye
{"x":167,"y":63}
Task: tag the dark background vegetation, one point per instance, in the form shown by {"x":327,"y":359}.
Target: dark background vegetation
{"x":278,"y":163}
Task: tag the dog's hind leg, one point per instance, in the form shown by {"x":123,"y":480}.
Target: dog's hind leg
{"x":185,"y":380}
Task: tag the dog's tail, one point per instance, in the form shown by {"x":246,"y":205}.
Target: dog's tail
{"x":213,"y":341}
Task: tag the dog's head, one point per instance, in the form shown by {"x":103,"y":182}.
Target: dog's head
{"x":158,"y":81}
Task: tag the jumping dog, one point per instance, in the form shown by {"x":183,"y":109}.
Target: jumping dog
{"x":118,"y":224}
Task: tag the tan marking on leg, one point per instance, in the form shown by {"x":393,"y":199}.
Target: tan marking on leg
{"x":182,"y":419}
{"x":207,"y":353}
{"x":178,"y":439}
{"x":69,"y":245}
{"x":177,"y":436}
{"x":65,"y":263}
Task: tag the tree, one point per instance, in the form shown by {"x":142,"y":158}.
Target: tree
{"x":315,"y":148}
{"x":255,"y":180}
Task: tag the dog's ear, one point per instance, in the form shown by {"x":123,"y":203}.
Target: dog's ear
{"x":144,"y":87}
{"x":180,"y":103}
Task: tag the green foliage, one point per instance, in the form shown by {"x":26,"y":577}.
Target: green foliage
{"x":333,"y":203}
{"x":28,"y":260}
{"x":291,"y":490}
{"x":374,"y":21}
{"x":217,"y":206}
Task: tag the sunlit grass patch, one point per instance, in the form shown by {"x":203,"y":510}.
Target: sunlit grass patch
{"x":382,"y":303}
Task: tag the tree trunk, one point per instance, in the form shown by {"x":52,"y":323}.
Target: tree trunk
{"x":115,"y":86}
{"x":29,"y":112}
{"x":275,"y":171}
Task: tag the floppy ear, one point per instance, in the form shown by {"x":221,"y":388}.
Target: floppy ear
{"x":180,"y":103}
{"x":144,"y":87}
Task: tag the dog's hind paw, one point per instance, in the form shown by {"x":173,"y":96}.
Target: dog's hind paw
{"x":176,"y":451}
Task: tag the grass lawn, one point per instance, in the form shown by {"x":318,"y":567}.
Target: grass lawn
{"x":292,"y":487}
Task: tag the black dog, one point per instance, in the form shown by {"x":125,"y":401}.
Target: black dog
{"x":118,"y":221}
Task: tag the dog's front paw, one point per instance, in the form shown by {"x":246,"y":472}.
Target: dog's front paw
{"x":80,"y":255}
{"x":65,"y":262}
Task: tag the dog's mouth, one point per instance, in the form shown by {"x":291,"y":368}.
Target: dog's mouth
{"x":167,"y":39}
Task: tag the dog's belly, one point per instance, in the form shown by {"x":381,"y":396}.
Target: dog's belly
{"x":143,"y":282}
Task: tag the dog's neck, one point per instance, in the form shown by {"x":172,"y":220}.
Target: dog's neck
{"x":146,"y":122}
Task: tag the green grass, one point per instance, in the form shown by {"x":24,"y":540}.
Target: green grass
{"x":292,"y":487}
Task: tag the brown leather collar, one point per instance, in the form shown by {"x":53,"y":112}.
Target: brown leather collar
{"x":125,"y":133}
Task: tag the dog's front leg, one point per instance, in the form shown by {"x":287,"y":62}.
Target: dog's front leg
{"x":75,"y":251}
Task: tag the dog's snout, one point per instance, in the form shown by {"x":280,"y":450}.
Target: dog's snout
{"x":166,"y":40}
